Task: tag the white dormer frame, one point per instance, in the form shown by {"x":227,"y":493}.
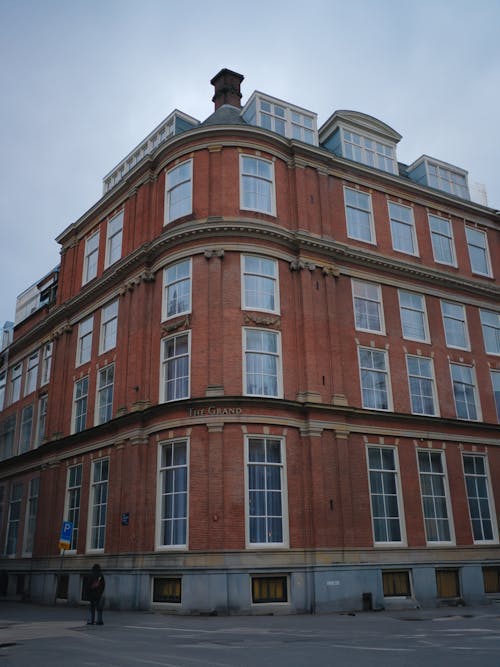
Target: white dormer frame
{"x":375,"y":138}
{"x":297,"y":123}
{"x":458,"y":186}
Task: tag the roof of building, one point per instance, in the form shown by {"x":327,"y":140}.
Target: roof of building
{"x":227,"y":114}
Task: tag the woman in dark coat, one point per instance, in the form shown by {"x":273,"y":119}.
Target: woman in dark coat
{"x":95,"y":593}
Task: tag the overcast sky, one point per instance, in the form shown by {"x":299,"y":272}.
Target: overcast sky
{"x":83,"y":81}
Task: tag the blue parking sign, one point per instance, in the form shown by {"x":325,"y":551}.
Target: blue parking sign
{"x":66,"y":535}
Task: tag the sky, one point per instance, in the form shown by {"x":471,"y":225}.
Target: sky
{"x":84,"y":81}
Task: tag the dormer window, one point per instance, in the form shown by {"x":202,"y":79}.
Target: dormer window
{"x":440,"y":175}
{"x":364,"y":139}
{"x":278,"y":116}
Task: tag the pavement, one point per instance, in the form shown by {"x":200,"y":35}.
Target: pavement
{"x":58,"y":635}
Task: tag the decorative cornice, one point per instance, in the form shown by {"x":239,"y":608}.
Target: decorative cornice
{"x":262,"y":320}
{"x":214,"y":252}
{"x":177,"y":325}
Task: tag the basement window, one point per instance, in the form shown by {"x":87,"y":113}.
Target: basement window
{"x":491,"y":578}
{"x":396,"y":583}
{"x":167,"y":589}
{"x":269,"y":589}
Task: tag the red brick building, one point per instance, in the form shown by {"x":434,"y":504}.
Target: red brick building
{"x":265,"y":376}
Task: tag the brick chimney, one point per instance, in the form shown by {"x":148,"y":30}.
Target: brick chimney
{"x":227,"y":88}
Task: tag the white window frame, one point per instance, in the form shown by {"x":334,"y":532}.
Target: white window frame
{"x":444,"y":477}
{"x":267,"y":439}
{"x":73,"y":502}
{"x":30,"y":382}
{"x":177,"y":182}
{"x":47,"y":352}
{"x":372,"y":370}
{"x":492,"y":325}
{"x":91,"y":257}
{"x":84,"y":343}
{"x":14,"y":519}
{"x":464,"y":383}
{"x":468,"y":477}
{"x":3,"y":389}
{"x":260,"y":279}
{"x":358,"y":210}
{"x":26,"y":428}
{"x":396,"y":222}
{"x":77,"y":400}
{"x":171,"y":473}
{"x":175,"y":360}
{"x":382,"y":481}
{"x":281,"y":117}
{"x":258,"y":178}
{"x":16,"y":377}
{"x":472,"y":245}
{"x":368,"y":149}
{"x":31,"y":516}
{"x":430,"y":379}
{"x":447,"y":179}
{"x":275,"y":355}
{"x":114,"y":239}
{"x":174,"y":278}
{"x":495,"y":383}
{"x":412,"y":309}
{"x":96,"y":526}
{"x":365,"y":294}
{"x":451,"y":320}
{"x":41,"y":423}
{"x":104,"y":394}
{"x":109,"y":327}
{"x":440,"y":238}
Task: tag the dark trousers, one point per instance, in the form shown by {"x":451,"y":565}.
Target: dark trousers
{"x":96,"y":605}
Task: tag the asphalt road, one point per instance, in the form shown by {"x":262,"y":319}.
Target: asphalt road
{"x":37,"y":636}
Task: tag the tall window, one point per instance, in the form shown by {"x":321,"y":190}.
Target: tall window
{"x":109,"y":321}
{"x":477,"y":244}
{"x":495,"y":381}
{"x":403,"y":228}
{"x":266,"y":487}
{"x":257,"y":185}
{"x":476,"y":482}
{"x":16,"y":496}
{"x":374,"y":372}
{"x":262,"y":363}
{"x":26,"y":428}
{"x":98,"y":503}
{"x":80,"y":405}
{"x":3,"y":383}
{"x":114,"y":239}
{"x":173,"y":489}
{"x":46,"y":363}
{"x":359,"y":216}
{"x":177,"y":289}
{"x":73,"y":498}
{"x":260,"y":283}
{"x":91,"y":256}
{"x":464,"y":391}
{"x":443,"y":246}
{"x":434,"y":496}
{"x":31,"y":512}
{"x":422,"y":385}
{"x":179,"y":191}
{"x":490,"y":321}
{"x":84,"y":351}
{"x":447,"y":180}
{"x":31,"y":374}
{"x":384,"y":494}
{"x":105,"y":386}
{"x":175,"y":360}
{"x":15,"y":383}
{"x":7,"y":435}
{"x":455,"y":325}
{"x":42,"y":420}
{"x":368,"y":313}
{"x":413,"y":316}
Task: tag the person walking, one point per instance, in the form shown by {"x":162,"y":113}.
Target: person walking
{"x":95,"y":593}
